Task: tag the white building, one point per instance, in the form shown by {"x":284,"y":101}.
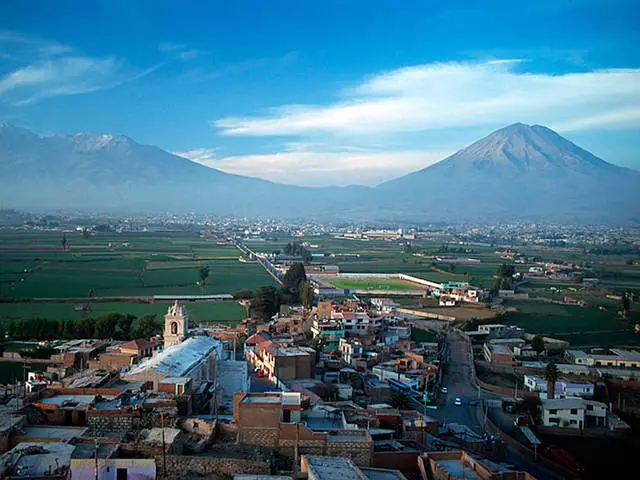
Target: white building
{"x":563,"y":387}
{"x":616,"y":357}
{"x":573,"y":413}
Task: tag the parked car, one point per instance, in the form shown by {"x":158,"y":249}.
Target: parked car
{"x":457,"y":402}
{"x":473,"y":403}
{"x":444,"y":390}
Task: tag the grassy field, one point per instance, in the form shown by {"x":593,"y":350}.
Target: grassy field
{"x":577,"y":325}
{"x":202,"y":312}
{"x":34,"y":265}
{"x":371,"y":283}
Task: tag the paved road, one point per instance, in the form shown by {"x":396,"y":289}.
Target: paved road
{"x":460,"y":381}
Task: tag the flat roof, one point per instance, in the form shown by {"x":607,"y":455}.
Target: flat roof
{"x":562,"y":403}
{"x":60,"y":400}
{"x":64,"y":434}
{"x":37,"y":458}
{"x":332,"y":468}
{"x":382,"y":474}
{"x":500,"y":349}
{"x":457,"y":469}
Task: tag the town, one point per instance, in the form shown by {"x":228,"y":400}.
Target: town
{"x":369,"y":374}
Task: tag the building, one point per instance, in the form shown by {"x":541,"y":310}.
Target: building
{"x":563,"y":388}
{"x":573,"y":413}
{"x":497,"y":330}
{"x":139,"y":347}
{"x":176,"y":325}
{"x":328,"y":331}
{"x":614,"y":357}
{"x":350,"y":349}
{"x":499,"y":354}
{"x":275,"y":420}
{"x":456,"y":465}
{"x":37,"y":460}
{"x":194,"y":358}
{"x":280,"y":362}
{"x":109,"y":465}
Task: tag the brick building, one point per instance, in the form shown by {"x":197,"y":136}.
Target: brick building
{"x":499,"y":354}
{"x":275,"y":420}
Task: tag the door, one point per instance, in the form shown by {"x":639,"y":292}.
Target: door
{"x":121,"y":474}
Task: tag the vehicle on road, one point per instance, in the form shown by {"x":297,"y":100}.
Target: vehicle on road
{"x":457,"y":402}
{"x":444,"y":390}
{"x":521,"y":421}
{"x":473,"y":403}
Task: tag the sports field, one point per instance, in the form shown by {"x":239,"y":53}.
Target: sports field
{"x":371,"y":283}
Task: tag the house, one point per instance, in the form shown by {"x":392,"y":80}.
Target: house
{"x":499,"y":354}
{"x":36,"y":460}
{"x":328,"y":332}
{"x":614,"y":357}
{"x":563,"y":388}
{"x":573,"y":413}
{"x":454,"y":465}
{"x":496,"y":330}
{"x":350,"y":349}
{"x":447,"y":301}
{"x":109,"y":464}
{"x":138,"y":347}
{"x":281,"y":362}
{"x":275,"y":420}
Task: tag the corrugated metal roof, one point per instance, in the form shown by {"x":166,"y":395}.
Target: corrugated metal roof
{"x":178,"y":360}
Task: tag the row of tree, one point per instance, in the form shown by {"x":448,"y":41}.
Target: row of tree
{"x":112,"y":325}
{"x":266,"y":301}
{"x":503,"y":278}
{"x":295,"y":249}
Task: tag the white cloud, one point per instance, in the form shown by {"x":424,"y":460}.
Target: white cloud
{"x":30,"y":45}
{"x":451,"y":95}
{"x":63,"y":76}
{"x":180,"y":50}
{"x":204,"y":156}
{"x":300,"y":166}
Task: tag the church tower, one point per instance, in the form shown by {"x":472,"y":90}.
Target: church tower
{"x":176,"y":325}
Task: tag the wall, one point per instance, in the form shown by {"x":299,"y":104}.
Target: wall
{"x":113,"y":421}
{"x":420,"y":313}
{"x":137,"y":469}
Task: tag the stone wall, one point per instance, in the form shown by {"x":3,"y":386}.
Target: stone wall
{"x":113,"y":421}
{"x":179,"y":465}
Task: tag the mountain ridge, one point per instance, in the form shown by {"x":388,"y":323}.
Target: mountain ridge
{"x":518,"y":171}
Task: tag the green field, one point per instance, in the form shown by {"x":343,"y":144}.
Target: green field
{"x":34,"y":265}
{"x":201,"y":312}
{"x":371,"y":283}
{"x":577,"y":325}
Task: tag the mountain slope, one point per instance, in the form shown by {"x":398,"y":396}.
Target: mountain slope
{"x":520,"y":171}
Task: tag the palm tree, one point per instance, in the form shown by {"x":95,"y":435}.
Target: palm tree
{"x":551,"y":375}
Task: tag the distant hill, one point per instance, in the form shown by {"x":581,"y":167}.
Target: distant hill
{"x":518,"y":172}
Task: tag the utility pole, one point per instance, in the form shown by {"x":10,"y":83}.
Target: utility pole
{"x":95,"y":453}
{"x":164,"y":453}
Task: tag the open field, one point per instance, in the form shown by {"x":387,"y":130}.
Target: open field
{"x":578,"y":325}
{"x":371,"y":283}
{"x":34,"y":265}
{"x":204,"y":312}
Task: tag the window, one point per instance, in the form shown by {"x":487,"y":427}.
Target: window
{"x":286,"y":416}
{"x":574,"y":411}
{"x":573,"y":422}
{"x":553,"y":411}
{"x":121,"y":474}
{"x":590,"y":408}
{"x":554,"y":420}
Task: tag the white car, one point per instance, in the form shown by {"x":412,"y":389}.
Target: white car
{"x":444,"y":390}
{"x":457,"y":402}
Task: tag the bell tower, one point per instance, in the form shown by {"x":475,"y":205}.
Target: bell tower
{"x":176,"y":325}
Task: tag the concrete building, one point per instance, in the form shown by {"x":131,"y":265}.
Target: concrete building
{"x":109,"y":465}
{"x":275,"y":420}
{"x":615,"y":357}
{"x":350,"y":349}
{"x":573,"y":413}
{"x":497,"y":330}
{"x":456,"y":465}
{"x":563,"y":388}
{"x":194,"y":358}
{"x":328,"y":331}
{"x":499,"y":354}
{"x":36,"y":461}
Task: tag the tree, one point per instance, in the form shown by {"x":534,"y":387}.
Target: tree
{"x":85,"y":233}
{"x":408,"y":249}
{"x":551,"y":375}
{"x":64,"y":241}
{"x":400,"y":401}
{"x":204,"y":274}
{"x":125,"y":326}
{"x":294,"y":276}
{"x":306,"y":293}
{"x":244,"y":294}
{"x":537,"y":343}
{"x":625,"y":305}
{"x":265,"y":303}
{"x":146,"y":327}
{"x":105,"y":326}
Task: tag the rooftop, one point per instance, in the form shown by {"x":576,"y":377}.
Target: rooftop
{"x":500,"y":349}
{"x":382,"y":474}
{"x":177,"y":360}
{"x":562,"y":403}
{"x":37,"y":459}
{"x":63,"y":434}
{"x":331,"y":468}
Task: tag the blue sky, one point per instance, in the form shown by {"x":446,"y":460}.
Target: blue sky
{"x":332,"y":92}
